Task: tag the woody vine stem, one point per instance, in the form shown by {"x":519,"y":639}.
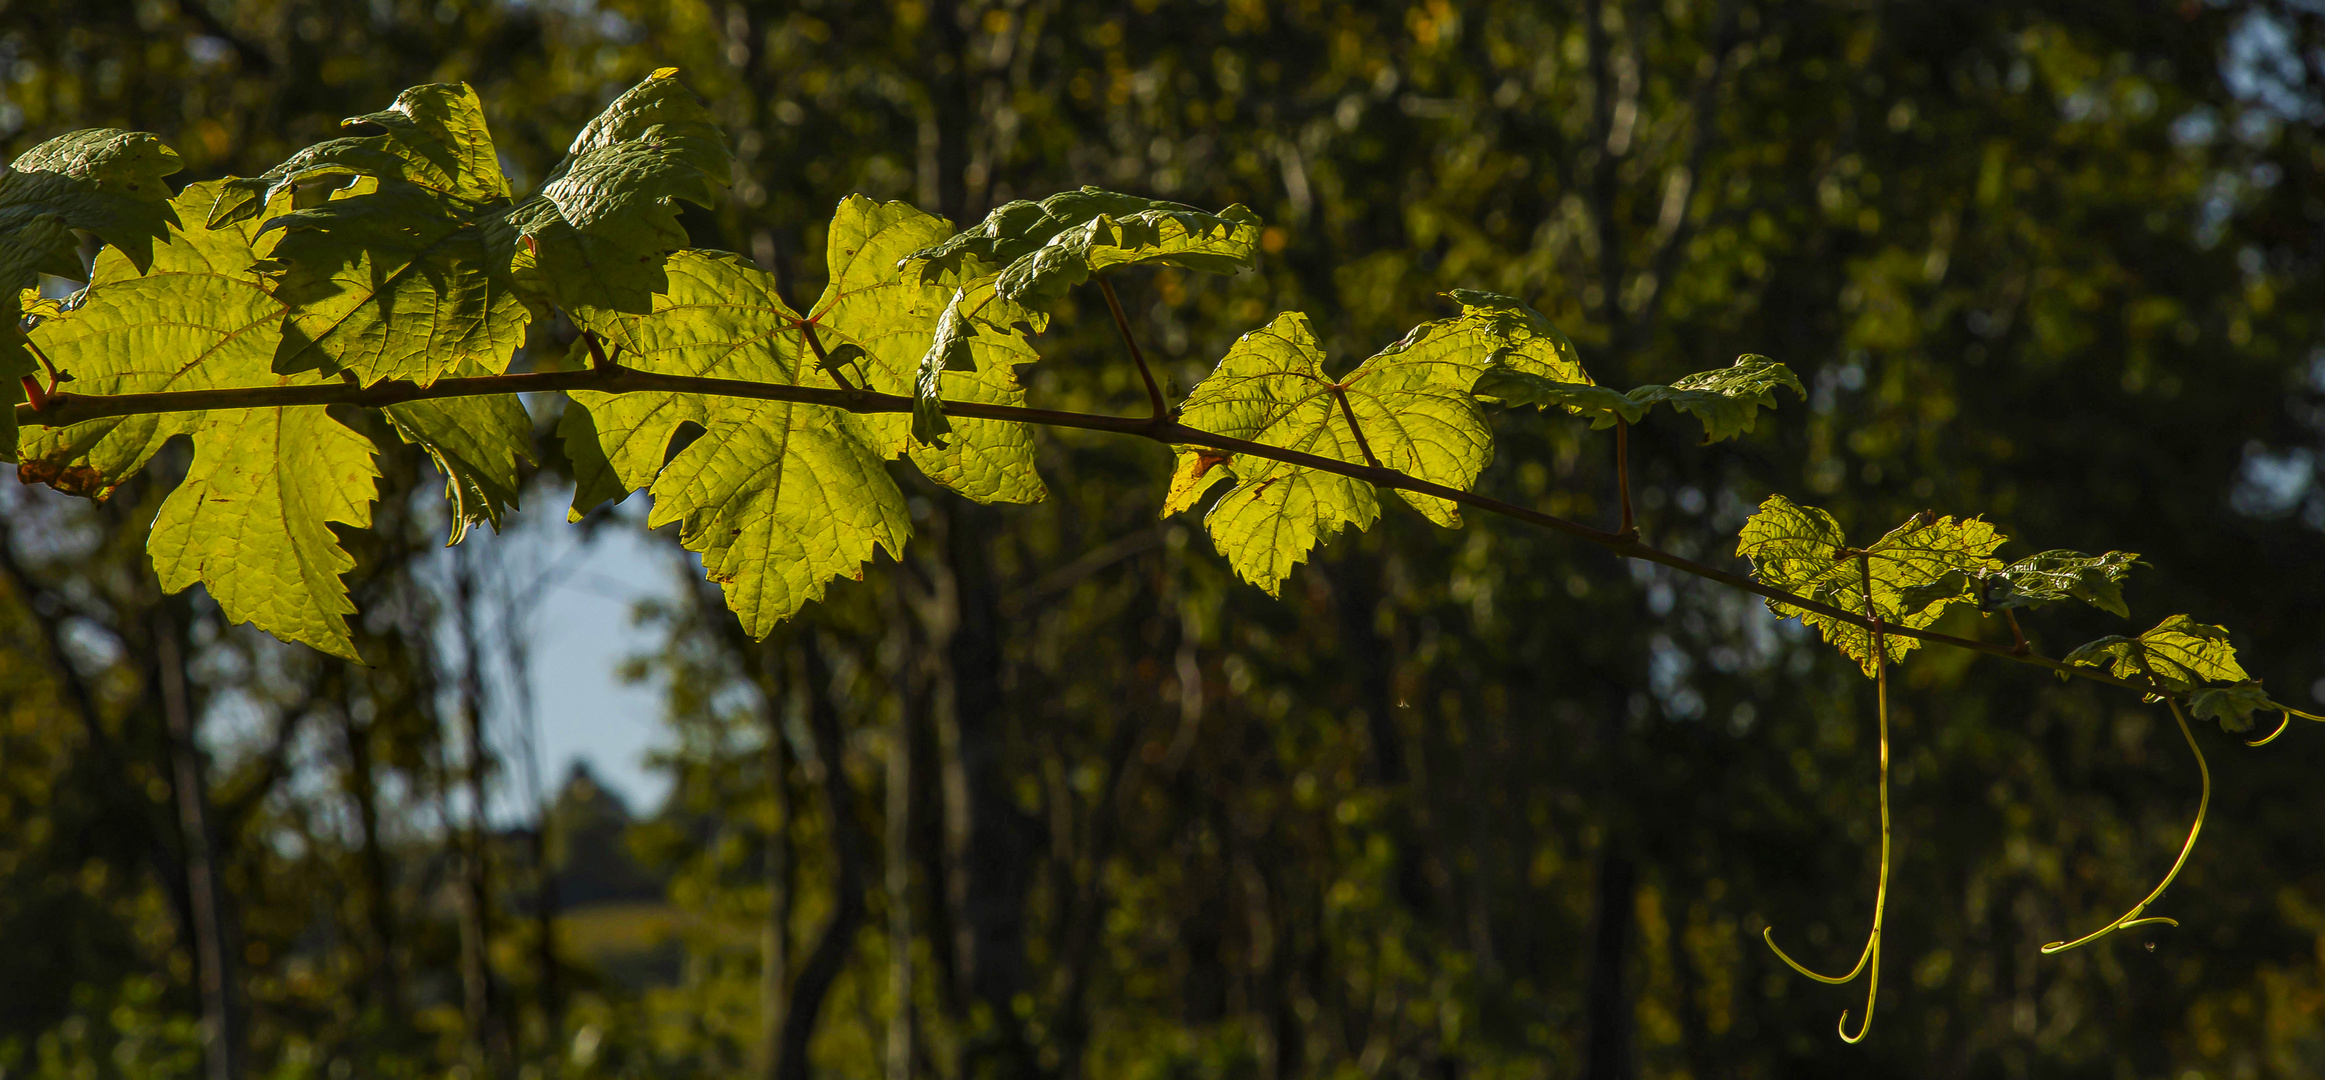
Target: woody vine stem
{"x":608,"y":376}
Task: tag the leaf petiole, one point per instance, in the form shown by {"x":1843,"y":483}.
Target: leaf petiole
{"x":55,"y":377}
{"x":1154,"y":394}
{"x":1630,"y":528}
{"x":1340,"y":393}
{"x":597,"y":356}
{"x":823,"y":360}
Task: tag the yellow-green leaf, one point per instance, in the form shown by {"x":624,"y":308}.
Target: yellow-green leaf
{"x":892,"y":315}
{"x":1602,"y":404}
{"x":594,"y":235}
{"x":595,"y":482}
{"x":476,"y":443}
{"x":1801,"y":550}
{"x":2231,"y":706}
{"x":1048,"y":247}
{"x":252,"y":520}
{"x":1412,"y":410}
{"x":433,"y":137}
{"x":778,"y":498}
{"x":2178,"y":654}
{"x":1727,"y":401}
{"x":390,"y":280}
{"x":1519,"y":338}
{"x":104,"y":180}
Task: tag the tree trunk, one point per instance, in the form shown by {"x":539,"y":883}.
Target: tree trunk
{"x":839,"y":934}
{"x":775,"y":934}
{"x":489,"y":1039}
{"x":996,"y":844}
{"x":1607,"y":1052}
{"x":376,"y":885}
{"x":214,"y":940}
{"x":896,"y":856}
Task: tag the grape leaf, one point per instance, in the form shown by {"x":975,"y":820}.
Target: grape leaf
{"x":252,"y":519}
{"x":102,"y":180}
{"x":2231,"y":706}
{"x":1727,"y":401}
{"x":424,"y":265}
{"x":390,"y":276}
{"x":777,"y":497}
{"x":2051,"y":576}
{"x":390,"y":280}
{"x":889,"y":316}
{"x":476,"y":443}
{"x":1416,"y":415}
{"x":593,"y":236}
{"x":2177,"y":654}
{"x":595,"y":482}
{"x":435,"y":138}
{"x":1047,"y":248}
{"x":2042,"y":579}
{"x":1801,"y":550}
{"x":1519,"y":338}
{"x":1602,"y":404}
{"x":1044,"y":249}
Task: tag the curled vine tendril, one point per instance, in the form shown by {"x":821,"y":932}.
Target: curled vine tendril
{"x":1871,"y":957}
{"x":2131,"y":918}
{"x":2287,"y":722}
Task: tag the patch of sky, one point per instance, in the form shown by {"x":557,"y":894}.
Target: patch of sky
{"x":557,"y":618}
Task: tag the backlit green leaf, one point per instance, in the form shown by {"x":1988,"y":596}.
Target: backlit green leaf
{"x":2231,"y":706}
{"x":1801,"y":550}
{"x":423,"y":265}
{"x":1048,"y":247}
{"x":390,"y":280}
{"x":2096,"y":580}
{"x":593,"y":236}
{"x":595,"y":482}
{"x":252,"y":520}
{"x":1602,"y":404}
{"x":1519,"y":338}
{"x":893,"y":316}
{"x":1727,"y":402}
{"x":435,"y":138}
{"x":2178,"y":654}
{"x":103,"y":180}
{"x":777,"y":497}
{"x":1411,"y":403}
{"x":476,"y":443}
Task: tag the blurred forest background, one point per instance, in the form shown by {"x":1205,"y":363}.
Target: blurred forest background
{"x":1055,"y":796}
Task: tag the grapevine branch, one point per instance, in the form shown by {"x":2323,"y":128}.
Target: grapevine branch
{"x":67,"y":408}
